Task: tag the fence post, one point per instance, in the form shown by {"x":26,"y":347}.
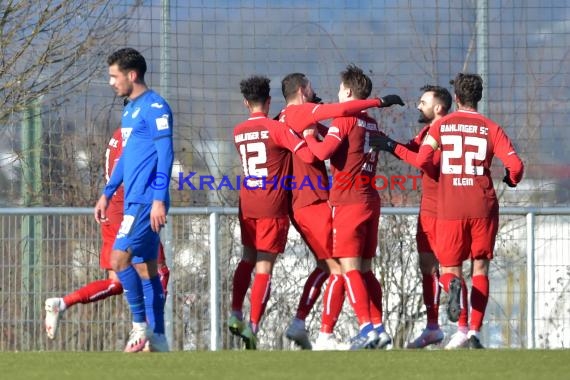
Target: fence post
{"x":214,"y":283}
{"x":530,"y":304}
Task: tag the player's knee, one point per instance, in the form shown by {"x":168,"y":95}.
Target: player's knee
{"x":119,"y":260}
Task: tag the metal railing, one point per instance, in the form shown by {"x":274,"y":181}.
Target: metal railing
{"x":48,"y":252}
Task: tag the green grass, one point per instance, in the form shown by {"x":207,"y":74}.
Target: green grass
{"x":290,"y":365}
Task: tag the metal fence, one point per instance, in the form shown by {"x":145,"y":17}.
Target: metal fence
{"x":47,"y":252}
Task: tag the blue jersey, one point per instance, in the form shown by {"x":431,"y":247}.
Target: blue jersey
{"x":146,"y":163}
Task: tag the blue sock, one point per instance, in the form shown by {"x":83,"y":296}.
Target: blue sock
{"x":154,"y":303}
{"x":133,"y":292}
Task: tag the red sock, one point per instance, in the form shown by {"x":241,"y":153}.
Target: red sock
{"x":445,"y":279}
{"x":94,"y":291}
{"x":242,"y":278}
{"x":357,"y":296}
{"x":260,"y":291}
{"x":164,"y":275}
{"x":463,"y":317}
{"x":430,"y":286}
{"x":333,"y":298}
{"x":375,"y":294}
{"x":479,"y":298}
{"x":311,"y":291}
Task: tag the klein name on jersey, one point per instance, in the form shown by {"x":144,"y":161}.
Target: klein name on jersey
{"x":464,"y":128}
{"x":457,"y":181}
{"x":248,"y":136}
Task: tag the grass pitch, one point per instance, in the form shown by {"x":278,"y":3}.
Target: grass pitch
{"x":290,"y":365}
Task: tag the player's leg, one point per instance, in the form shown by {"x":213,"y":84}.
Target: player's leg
{"x":314,"y":224}
{"x":349,"y":227}
{"x":333,"y":299}
{"x":429,"y":268}
{"x":92,"y":292}
{"x":373,"y":286}
{"x":376,"y":310}
{"x":242,"y":274}
{"x":453,"y":249}
{"x":163,"y":270}
{"x":483,"y":232}
{"x":271,"y":238}
{"x":260,"y":293}
{"x":154,"y":300}
{"x":134,"y":229}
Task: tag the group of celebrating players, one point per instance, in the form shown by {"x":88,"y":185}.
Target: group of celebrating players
{"x":458,"y":217}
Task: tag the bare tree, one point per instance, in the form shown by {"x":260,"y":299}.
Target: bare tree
{"x":50,"y":51}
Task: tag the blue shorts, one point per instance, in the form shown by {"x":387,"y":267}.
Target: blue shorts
{"x":135,"y":235}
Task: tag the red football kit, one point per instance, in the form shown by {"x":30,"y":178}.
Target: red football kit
{"x":311,"y":212}
{"x":467,"y":204}
{"x":356,"y":210}
{"x":265,"y":150}
{"x":425,"y":234}
{"x":356,"y":204}
{"x":115,"y":210}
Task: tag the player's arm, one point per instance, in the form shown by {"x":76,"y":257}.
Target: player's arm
{"x":304,"y":153}
{"x":115,"y":180}
{"x":302,"y":116}
{"x":165,"y":159}
{"x":504,"y":150}
{"x":349,"y":108}
{"x":424,"y":159}
{"x":165,"y":155}
{"x":160,"y":122}
{"x":325,"y":149}
{"x":111,"y":187}
{"x":288,"y":139}
{"x":381,"y":142}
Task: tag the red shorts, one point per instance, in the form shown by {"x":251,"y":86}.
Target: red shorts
{"x":425,"y":234}
{"x":314,"y":223}
{"x":267,"y":234}
{"x":459,"y":240}
{"x":355,"y":230}
{"x":109,"y":233}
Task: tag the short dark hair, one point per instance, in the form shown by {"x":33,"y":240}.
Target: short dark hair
{"x":128,"y":59}
{"x":255,"y":89}
{"x":291,"y":83}
{"x":441,"y":94}
{"x":355,"y":79}
{"x":468,"y":89}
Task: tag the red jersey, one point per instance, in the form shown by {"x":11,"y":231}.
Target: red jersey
{"x":301,"y":116}
{"x":468,"y":143}
{"x":264,"y":147}
{"x":114,"y":150}
{"x":409,"y":153}
{"x":311,"y":179}
{"x":353,"y":162}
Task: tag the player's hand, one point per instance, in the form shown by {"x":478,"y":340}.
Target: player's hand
{"x":311,"y":131}
{"x":390,"y":100}
{"x":100,"y":209}
{"x":507,"y":179}
{"x":382,"y":142}
{"x":157,"y":216}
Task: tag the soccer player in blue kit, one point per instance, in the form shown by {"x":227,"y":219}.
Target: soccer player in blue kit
{"x":144,"y":168}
